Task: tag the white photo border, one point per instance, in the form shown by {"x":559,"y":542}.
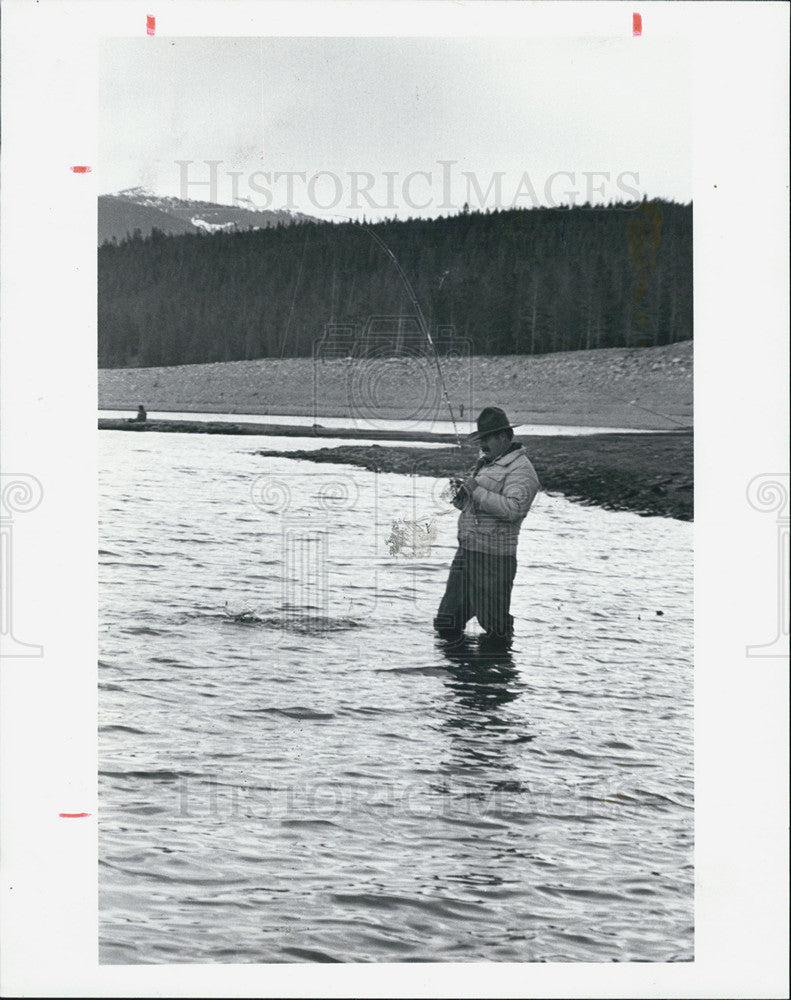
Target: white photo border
{"x":48,"y":355}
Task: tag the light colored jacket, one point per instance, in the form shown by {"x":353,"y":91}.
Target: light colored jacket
{"x":505,"y":490}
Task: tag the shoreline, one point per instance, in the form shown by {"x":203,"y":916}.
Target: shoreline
{"x":633,"y":388}
{"x":649,"y":474}
{"x":268,"y":430}
{"x":647,"y":389}
{"x":646,"y":474}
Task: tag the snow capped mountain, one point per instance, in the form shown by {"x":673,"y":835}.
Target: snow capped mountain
{"x":139,"y":194}
{"x":120,"y":215}
{"x":214,"y":227}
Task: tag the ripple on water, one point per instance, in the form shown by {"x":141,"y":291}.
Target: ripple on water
{"x":294,"y":770}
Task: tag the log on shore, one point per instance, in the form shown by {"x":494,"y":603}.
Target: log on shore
{"x":267,"y":430}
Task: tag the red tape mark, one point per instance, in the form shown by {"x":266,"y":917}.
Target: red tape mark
{"x":80,"y":170}
{"x":637,"y":25}
{"x":73,"y":815}
{"x":151,"y":24}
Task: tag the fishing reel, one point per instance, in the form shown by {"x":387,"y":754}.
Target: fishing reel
{"x":456,"y":493}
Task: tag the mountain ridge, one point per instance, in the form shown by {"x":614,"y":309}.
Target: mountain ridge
{"x":123,"y":213}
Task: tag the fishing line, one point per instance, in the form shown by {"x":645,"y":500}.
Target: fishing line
{"x":656,"y":413}
{"x":296,"y":289}
{"x":421,"y":322}
{"x":408,"y":537}
{"x":421,"y":319}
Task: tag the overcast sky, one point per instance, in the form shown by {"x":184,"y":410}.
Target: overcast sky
{"x":509,"y":116}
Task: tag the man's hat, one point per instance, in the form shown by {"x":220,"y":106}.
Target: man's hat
{"x":491,"y":420}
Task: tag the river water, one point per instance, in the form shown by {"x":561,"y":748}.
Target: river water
{"x":292,"y":767}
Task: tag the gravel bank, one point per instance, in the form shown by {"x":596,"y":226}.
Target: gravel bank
{"x":649,"y":474}
{"x":647,"y":388}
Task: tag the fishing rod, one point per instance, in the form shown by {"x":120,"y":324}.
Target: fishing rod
{"x":421,"y":322}
{"x":421,"y":319}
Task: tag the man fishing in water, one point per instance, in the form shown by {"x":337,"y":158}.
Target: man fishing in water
{"x":494,"y":499}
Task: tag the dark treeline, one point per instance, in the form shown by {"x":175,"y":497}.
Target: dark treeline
{"x":516,"y":281}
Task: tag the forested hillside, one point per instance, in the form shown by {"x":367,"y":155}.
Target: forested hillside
{"x":509,"y":282}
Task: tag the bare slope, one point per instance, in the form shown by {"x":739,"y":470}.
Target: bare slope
{"x":615,"y":387}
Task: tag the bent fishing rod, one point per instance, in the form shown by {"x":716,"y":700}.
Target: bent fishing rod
{"x":458,"y":498}
{"x":421,"y":319}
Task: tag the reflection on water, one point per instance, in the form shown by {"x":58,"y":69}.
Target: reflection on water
{"x":480,"y":678}
{"x":481,"y":682}
{"x":293,"y":768}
